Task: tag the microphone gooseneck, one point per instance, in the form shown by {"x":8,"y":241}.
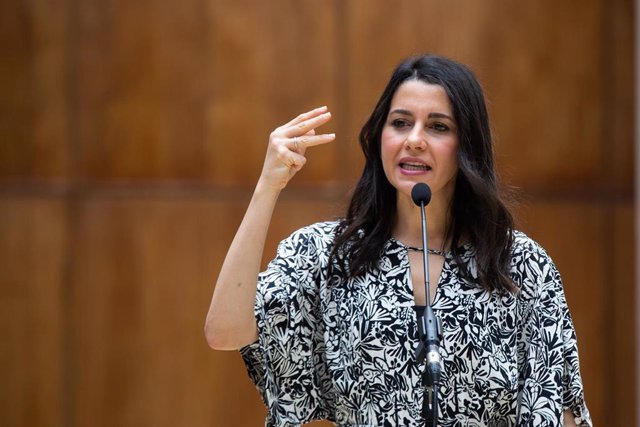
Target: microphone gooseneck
{"x":428,"y":325}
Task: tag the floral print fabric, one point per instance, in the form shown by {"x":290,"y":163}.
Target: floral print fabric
{"x":344,"y":349}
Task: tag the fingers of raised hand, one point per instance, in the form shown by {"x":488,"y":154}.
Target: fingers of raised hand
{"x":307,"y":125}
{"x":305,"y":116}
{"x":305,"y":122}
{"x":300,"y":143}
{"x":289,"y":142}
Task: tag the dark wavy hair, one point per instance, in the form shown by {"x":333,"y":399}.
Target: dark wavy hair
{"x":478,"y":210}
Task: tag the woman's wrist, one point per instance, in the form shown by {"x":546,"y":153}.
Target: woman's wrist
{"x":263,"y":188}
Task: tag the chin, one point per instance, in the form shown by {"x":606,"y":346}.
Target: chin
{"x":405,"y":188}
{"x":407,"y":185}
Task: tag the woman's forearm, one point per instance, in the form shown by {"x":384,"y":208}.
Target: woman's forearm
{"x":230,"y":321}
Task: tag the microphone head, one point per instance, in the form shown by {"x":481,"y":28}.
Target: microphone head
{"x":421,"y":194}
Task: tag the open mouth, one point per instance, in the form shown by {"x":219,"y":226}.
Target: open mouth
{"x":415,"y":167}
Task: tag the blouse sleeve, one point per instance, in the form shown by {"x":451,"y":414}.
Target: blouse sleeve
{"x":286,"y":363}
{"x":549,"y":371}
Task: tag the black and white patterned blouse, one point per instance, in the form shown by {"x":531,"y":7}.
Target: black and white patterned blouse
{"x":344,"y":349}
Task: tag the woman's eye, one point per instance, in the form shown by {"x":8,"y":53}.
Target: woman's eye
{"x":399,"y":123}
{"x":440,"y":127}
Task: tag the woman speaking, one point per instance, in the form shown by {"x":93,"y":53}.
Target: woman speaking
{"x":329,"y":331}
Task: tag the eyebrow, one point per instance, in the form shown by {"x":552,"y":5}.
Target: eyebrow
{"x":431,"y":115}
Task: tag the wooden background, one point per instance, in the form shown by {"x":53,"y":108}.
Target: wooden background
{"x":132,"y":133}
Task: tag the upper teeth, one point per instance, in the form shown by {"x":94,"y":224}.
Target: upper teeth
{"x":415,"y":165}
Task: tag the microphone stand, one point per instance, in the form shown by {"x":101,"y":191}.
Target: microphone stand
{"x":430,"y":334}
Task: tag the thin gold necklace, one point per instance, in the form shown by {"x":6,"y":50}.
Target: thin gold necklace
{"x":429,"y":251}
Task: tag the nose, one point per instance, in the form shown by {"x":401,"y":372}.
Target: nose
{"x":416,"y":140}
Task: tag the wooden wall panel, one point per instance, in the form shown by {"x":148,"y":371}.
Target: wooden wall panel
{"x":32,"y":321}
{"x":140,"y":295}
{"x":257,"y":89}
{"x":620,"y":286}
{"x":620,"y":75}
{"x":34,"y":112}
{"x":184,"y":93}
{"x":141,"y":88}
{"x":547,"y":113}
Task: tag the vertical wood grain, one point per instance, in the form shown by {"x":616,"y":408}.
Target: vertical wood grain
{"x":263,"y":77}
{"x":139,"y":315}
{"x":141,"y":89}
{"x":620,"y":324}
{"x":619,"y":75}
{"x":193,"y":92}
{"x":32,"y":272}
{"x":34,"y":112}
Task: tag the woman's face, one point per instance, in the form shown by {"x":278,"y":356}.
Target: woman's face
{"x":420,"y":140}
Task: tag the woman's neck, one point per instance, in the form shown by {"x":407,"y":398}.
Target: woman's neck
{"x":408,"y":227}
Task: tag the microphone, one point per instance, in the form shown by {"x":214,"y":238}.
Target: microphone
{"x":421,"y":194}
{"x":428,"y":325}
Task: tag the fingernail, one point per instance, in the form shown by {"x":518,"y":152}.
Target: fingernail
{"x":324,"y":107}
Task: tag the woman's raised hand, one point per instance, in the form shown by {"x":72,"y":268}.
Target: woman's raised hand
{"x":287,"y":146}
{"x":231,"y":323}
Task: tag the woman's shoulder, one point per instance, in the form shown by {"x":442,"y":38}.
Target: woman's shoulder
{"x":531,"y":267}
{"x":319,"y":235}
{"x":525,"y":246}
{"x":318,"y":229}
{"x":307,"y":247}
